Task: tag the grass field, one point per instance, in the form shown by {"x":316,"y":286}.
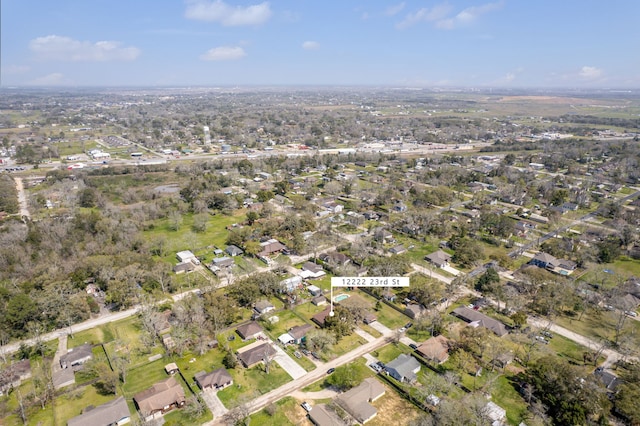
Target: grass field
{"x":71,"y":404}
{"x":285,"y":412}
{"x":252,"y":382}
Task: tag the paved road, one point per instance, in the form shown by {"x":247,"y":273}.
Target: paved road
{"x":312,"y":376}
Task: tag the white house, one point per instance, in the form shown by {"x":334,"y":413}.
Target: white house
{"x":187,"y":256}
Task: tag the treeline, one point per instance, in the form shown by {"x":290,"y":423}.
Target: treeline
{"x":9,"y":198}
{"x":629,"y":123}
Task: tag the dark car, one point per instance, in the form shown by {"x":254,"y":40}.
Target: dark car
{"x":331,"y":370}
{"x":408,"y":325}
{"x":413,"y":346}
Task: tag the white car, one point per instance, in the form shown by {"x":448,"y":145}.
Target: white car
{"x":307,"y":407}
{"x":631,"y":313}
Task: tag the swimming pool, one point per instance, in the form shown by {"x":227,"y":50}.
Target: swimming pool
{"x":340,"y":297}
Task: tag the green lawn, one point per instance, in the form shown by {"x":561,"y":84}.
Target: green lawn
{"x":387,"y":315}
{"x":72,"y":403}
{"x":185,"y":239}
{"x":600,"y":326}
{"x":249,"y":383}
{"x":390,"y":352}
{"x":287,"y":319}
{"x":286,"y":413}
{"x":143,"y":377}
{"x":504,"y":394}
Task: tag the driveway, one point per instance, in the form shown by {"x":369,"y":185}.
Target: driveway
{"x":210,"y":398}
{"x":289,"y":365}
{"x":360,"y":332}
{"x":376,"y":325}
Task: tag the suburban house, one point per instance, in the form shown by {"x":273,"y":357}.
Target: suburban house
{"x":187,"y":256}
{"x":263,"y":306}
{"x":404,"y":368}
{"x":497,"y":414}
{"x":159,"y":399}
{"x":320,"y":317}
{"x":250,"y":330}
{"x":397,"y":249}
{"x":369,"y":317}
{"x":333,"y":207}
{"x":321,"y":415}
{"x":298,"y":332}
{"x":311,"y":270}
{"x":356,"y":401}
{"x":217,"y":379}
{"x":233,"y":250}
{"x":255,"y":353}
{"x":14,"y":374}
{"x":435,"y":349}
{"x":76,"y":357}
{"x":551,"y":263}
{"x":478,"y":319}
{"x":314,"y":290}
{"x":439,"y":258}
{"x":183,"y":267}
{"x":334,"y":258}
{"x":319,"y":300}
{"x":114,"y":412}
{"x":414,"y":311}
{"x":269,"y":247}
{"x":219,"y":263}
{"x":291,"y":284}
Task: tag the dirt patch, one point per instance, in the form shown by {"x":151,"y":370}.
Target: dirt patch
{"x":557,"y":100}
{"x":393,"y":410}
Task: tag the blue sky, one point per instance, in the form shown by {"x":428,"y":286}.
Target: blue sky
{"x":501,"y":43}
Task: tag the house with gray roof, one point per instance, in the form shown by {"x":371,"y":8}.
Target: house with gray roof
{"x":356,"y":401}
{"x":322,"y":415}
{"x":217,"y":379}
{"x":249,"y":330}
{"x":256,"y":354}
{"x":404,"y":368}
{"x":77,"y":356}
{"x":478,"y":319}
{"x":439,"y":258}
{"x":114,"y":412}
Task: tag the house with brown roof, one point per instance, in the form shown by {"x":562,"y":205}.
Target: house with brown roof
{"x":311,"y":270}
{"x":217,"y":379}
{"x":270,"y":247}
{"x":256,"y":354}
{"x":435,"y":349}
{"x":250,"y":330}
{"x":159,"y":399}
{"x":478,"y":319}
{"x":114,"y":412}
{"x":321,"y":317}
{"x":356,"y":401}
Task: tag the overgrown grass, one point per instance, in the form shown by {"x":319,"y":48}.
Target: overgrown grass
{"x":252,"y":382}
{"x":284,"y":414}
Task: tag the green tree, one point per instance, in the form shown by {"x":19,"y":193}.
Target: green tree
{"x":344,"y":378}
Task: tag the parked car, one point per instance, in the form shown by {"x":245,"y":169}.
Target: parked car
{"x":307,"y":407}
{"x":297,"y":354}
{"x":408,"y":325}
{"x":331,"y":370}
{"x":542,"y":339}
{"x":631,"y":313}
{"x":376,"y":367}
{"x":413,"y":346}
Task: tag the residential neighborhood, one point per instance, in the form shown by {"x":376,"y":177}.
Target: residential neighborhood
{"x":195,"y":287}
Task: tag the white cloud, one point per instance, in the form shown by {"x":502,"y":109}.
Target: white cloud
{"x":509,"y":77}
{"x":436,"y":13}
{"x":590,"y":73}
{"x":395,"y":9}
{"x":467,"y":16}
{"x":54,"y":47}
{"x":53,"y":79}
{"x":440,"y":15}
{"x":15,"y":69}
{"x":311,"y":45}
{"x":223,"y":53}
{"x":228,"y":15}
